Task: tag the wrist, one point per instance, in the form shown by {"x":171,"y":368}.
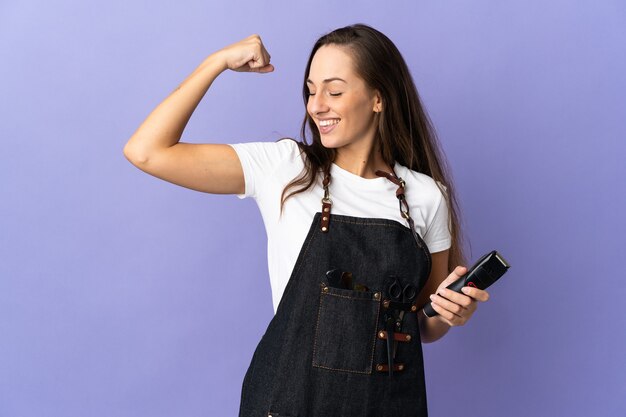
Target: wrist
{"x":431,"y":328}
{"x":216,"y":60}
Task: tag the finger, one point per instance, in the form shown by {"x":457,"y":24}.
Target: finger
{"x":480,"y":295}
{"x":267,"y":68}
{"x":451,"y":307}
{"x":262,"y":57}
{"x":443,"y":314}
{"x":246,"y":62}
{"x":260,"y":63}
{"x":264,"y":69}
{"x":461,"y":299}
{"x":254,"y":63}
{"x":266,"y":54}
{"x":450,"y":318}
{"x":458,"y":272}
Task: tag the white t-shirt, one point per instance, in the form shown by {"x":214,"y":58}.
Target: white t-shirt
{"x":269,"y":166}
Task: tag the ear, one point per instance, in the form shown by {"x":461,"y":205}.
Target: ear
{"x":377,"y":102}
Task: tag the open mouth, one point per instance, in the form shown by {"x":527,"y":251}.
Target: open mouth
{"x":328,"y":122}
{"x":326,"y":126}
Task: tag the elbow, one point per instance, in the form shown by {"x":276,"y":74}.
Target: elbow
{"x":133,"y":156}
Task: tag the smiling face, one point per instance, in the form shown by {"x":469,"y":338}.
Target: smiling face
{"x":340,"y":102}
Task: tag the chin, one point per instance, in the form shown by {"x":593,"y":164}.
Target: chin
{"x":330,"y":142}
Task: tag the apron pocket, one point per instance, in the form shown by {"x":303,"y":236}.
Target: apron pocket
{"x":345,"y":333}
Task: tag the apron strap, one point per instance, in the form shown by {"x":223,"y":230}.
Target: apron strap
{"x":404,"y":206}
{"x":391,"y":176}
{"x":326,"y":202}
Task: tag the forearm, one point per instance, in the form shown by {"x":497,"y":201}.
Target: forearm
{"x":165,"y":124}
{"x":431,"y":329}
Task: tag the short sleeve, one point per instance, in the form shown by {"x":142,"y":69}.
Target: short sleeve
{"x":437,"y":235}
{"x":259,"y":160}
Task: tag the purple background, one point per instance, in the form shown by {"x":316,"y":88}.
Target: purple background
{"x":116,"y":288}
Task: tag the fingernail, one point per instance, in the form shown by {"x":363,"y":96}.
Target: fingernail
{"x":432,"y":296}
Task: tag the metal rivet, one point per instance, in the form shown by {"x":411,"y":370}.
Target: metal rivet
{"x":326,"y":209}
{"x":400,"y":367}
{"x":324,"y":229}
{"x":381,"y":335}
{"x":325,"y":289}
{"x":324,"y":218}
{"x":386,"y":303}
{"x":376,"y":295}
{"x":379,"y":367}
{"x":413,"y":308}
{"x":408,"y":338}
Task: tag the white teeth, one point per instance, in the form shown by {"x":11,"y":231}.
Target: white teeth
{"x":329,"y":122}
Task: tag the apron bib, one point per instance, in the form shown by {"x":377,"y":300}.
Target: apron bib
{"x":325,"y":353}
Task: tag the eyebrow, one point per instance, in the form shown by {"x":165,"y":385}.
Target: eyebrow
{"x":327,"y":80}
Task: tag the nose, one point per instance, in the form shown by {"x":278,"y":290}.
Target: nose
{"x":317,"y":104}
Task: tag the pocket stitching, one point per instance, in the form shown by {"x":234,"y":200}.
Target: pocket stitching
{"x":319,"y":311}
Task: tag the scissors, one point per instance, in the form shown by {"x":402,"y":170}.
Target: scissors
{"x":398,"y":294}
{"x":401,"y":294}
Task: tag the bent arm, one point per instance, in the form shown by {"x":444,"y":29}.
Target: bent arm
{"x":155,"y":148}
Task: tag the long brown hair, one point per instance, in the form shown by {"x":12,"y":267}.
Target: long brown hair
{"x":405,"y":133}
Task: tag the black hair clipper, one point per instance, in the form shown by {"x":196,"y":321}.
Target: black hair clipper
{"x":485,"y":272}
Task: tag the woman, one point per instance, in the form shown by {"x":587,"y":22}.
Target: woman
{"x":361,"y":223}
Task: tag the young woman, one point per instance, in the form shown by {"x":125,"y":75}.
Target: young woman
{"x":361,"y":222}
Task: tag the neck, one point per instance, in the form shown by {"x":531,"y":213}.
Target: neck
{"x":361,"y":162}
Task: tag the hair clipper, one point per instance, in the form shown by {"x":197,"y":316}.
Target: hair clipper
{"x":485,"y":272}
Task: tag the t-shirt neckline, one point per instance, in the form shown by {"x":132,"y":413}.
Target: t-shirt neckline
{"x":357,"y":179}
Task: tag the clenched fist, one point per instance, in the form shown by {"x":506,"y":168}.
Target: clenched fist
{"x":247,"y":55}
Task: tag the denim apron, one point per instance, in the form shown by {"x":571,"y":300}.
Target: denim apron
{"x":326,"y":351}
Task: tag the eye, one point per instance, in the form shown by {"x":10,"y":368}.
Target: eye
{"x":335,"y":94}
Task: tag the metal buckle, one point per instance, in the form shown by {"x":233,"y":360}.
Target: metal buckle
{"x":404,"y":210}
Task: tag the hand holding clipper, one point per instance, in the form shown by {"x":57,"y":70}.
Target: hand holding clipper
{"x":485,"y":272}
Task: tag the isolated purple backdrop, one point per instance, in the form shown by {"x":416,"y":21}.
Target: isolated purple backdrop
{"x":123,"y":295}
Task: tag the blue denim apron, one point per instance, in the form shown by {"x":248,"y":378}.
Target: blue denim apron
{"x":325,"y":352}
